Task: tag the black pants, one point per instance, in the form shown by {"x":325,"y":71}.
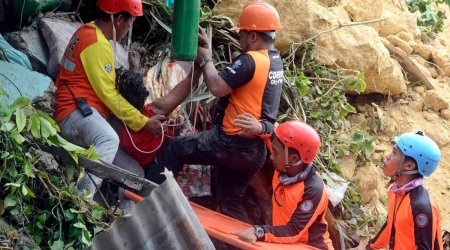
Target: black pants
{"x":238,"y":159}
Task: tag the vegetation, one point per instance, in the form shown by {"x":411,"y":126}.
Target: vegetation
{"x":43,"y":202}
{"x":431,"y":21}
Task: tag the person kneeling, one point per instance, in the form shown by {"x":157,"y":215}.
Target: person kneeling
{"x":300,"y":199}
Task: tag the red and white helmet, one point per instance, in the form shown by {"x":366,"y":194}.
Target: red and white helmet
{"x":301,"y":137}
{"x":134,"y":7}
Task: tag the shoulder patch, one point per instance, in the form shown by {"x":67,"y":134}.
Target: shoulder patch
{"x":108,"y":67}
{"x":236,"y":64}
{"x":306,"y":206}
{"x":422,"y":220}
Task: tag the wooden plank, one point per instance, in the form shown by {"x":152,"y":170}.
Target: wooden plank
{"x":107,"y":171}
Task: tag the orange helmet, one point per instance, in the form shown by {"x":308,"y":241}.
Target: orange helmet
{"x":134,"y":7}
{"x":301,"y":137}
{"x":259,"y":16}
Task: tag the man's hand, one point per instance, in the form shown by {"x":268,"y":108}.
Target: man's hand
{"x":249,"y":124}
{"x":204,"y":48}
{"x":154,"y":125}
{"x":248,"y":235}
{"x":133,"y":61}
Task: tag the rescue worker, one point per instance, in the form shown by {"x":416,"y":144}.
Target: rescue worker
{"x":300,"y":198}
{"x":249,"y":92}
{"x":413,"y":220}
{"x":86,"y":93}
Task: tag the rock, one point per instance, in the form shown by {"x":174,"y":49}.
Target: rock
{"x":420,"y":90}
{"x":417,"y":105}
{"x":441,"y":57}
{"x":422,"y":49}
{"x":46,"y":102}
{"x":354,"y":47}
{"x":341,"y":13}
{"x":434,"y":72}
{"x":440,"y":135}
{"x":31,"y":42}
{"x":358,"y":10}
{"x":397,"y":42}
{"x":326,"y":3}
{"x":431,"y":116}
{"x":405,"y":36}
{"x":400,"y":19}
{"x":434,"y":101}
{"x":390,"y":128}
{"x":445,"y":113}
{"x":367,"y":182}
{"x":57,"y":33}
{"x":348,"y":166}
{"x":27,"y":83}
{"x":384,"y":138}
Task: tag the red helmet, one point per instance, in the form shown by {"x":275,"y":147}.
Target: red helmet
{"x":301,"y":137}
{"x":134,"y":7}
{"x":259,"y":16}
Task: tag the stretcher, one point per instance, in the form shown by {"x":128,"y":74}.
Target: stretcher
{"x":219,"y":227}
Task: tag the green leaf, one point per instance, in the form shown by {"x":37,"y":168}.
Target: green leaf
{"x":20,"y":119}
{"x":7,"y":126}
{"x":20,"y":102}
{"x":97,"y":230}
{"x":28,"y":169}
{"x":57,"y":245}
{"x":24,"y":190}
{"x":35,"y":126}
{"x":86,"y":237}
{"x":46,"y":128}
{"x":41,"y":220}
{"x":17,"y":138}
{"x":4,"y":107}
{"x":80,"y":225}
{"x":3,"y":92}
{"x":49,"y":119}
{"x":9,"y":202}
{"x":14,"y":212}
{"x":68,"y":215}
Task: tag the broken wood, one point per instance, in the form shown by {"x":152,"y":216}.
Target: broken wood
{"x":107,"y":171}
{"x":407,"y":64}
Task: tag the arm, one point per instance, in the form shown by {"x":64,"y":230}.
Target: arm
{"x":381,"y":240}
{"x":167,"y":103}
{"x":98,"y":63}
{"x":422,"y":215}
{"x":213,"y":81}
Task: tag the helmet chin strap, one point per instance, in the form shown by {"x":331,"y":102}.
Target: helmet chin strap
{"x":399,"y":172}
{"x":130,"y":32}
{"x":114,"y":34}
{"x":286,"y":160}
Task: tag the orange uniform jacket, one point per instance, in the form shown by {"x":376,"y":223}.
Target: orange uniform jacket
{"x":416,"y":223}
{"x":301,"y":218}
{"x":260,"y":96}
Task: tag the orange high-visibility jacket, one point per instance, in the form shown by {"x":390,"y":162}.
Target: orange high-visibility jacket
{"x":413,"y":223}
{"x":301,"y":216}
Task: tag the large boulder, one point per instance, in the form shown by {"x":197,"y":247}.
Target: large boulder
{"x":354,"y":47}
{"x":57,"y":33}
{"x":399,"y":18}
